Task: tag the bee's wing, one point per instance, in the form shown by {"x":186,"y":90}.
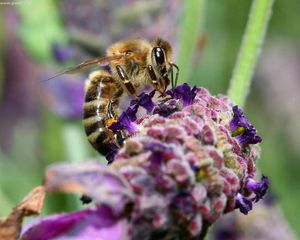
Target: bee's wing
{"x":88,"y":64}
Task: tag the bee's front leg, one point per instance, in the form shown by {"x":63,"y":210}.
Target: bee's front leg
{"x":159,"y":83}
{"x":125,"y":80}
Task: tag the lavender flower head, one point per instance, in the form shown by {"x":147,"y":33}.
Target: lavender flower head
{"x":182,"y":166}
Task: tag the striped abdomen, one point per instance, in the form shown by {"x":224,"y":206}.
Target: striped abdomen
{"x":100,"y":90}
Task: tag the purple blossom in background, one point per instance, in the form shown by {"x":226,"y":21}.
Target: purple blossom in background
{"x":180,"y":170}
{"x":120,"y":20}
{"x":62,"y":53}
{"x":65,"y":96}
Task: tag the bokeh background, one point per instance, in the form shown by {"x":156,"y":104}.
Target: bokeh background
{"x":40,"y":121}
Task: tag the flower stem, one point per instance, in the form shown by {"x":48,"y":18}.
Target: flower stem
{"x":192,"y":22}
{"x":249,"y":51}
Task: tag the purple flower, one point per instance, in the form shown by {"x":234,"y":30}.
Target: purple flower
{"x":242,"y":129}
{"x":244,"y":204}
{"x":124,"y":122}
{"x":144,"y":100}
{"x":182,"y":95}
{"x":183,"y":92}
{"x":252,"y":186}
{"x":110,"y":192}
{"x":131,"y":113}
{"x":259,"y":188}
{"x":175,"y":174}
{"x":166,"y":109}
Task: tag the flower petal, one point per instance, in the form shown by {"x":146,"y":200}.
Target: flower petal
{"x":125,"y":121}
{"x":183,"y":92}
{"x":244,"y":204}
{"x":259,"y":188}
{"x":98,"y":223}
{"x":167,"y":108}
{"x":92,"y":179}
{"x":242,"y":129}
{"x":144,"y":100}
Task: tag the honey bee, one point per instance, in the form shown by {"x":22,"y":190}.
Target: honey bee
{"x":133,"y":64}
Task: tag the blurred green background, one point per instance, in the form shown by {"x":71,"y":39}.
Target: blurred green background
{"x":40,"y":121}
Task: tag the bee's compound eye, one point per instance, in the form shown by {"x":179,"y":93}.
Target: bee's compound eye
{"x":159,"y":55}
{"x":128,"y":53}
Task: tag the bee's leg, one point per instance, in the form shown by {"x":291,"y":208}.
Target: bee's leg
{"x":172,"y":77}
{"x":153,"y":77}
{"x":173,"y":65}
{"x":120,"y":136}
{"x":125,"y":80}
{"x":113,"y":105}
{"x":100,"y":88}
{"x":161,"y":83}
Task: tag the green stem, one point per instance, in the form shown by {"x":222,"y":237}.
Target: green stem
{"x":250,"y":48}
{"x":192,"y":22}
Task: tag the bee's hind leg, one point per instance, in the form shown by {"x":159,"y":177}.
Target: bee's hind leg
{"x":120,"y":136}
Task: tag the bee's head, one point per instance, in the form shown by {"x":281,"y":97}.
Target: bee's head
{"x":161,"y":58}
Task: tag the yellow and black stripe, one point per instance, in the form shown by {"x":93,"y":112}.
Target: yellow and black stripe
{"x":101,"y":91}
